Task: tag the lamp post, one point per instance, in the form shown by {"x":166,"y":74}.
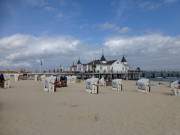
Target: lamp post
{"x":41,"y":64}
{"x":93,"y":66}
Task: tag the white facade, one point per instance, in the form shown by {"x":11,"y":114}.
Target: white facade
{"x":113,"y":66}
{"x":119,"y":67}
{"x":102,"y":68}
{"x":89,"y":68}
{"x":79,"y":67}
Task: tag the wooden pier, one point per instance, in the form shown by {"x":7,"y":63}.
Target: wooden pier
{"x":130,"y":75}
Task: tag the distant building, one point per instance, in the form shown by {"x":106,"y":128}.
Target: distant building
{"x":73,"y":68}
{"x":102,"y":66}
{"x":78,"y":67}
{"x":111,"y":66}
{"x":120,"y":66}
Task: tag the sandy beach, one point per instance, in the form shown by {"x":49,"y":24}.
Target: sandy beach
{"x":25,"y":109}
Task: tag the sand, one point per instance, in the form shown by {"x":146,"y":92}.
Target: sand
{"x":25,"y":109}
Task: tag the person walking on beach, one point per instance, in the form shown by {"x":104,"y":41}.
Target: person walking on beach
{"x":2,"y":80}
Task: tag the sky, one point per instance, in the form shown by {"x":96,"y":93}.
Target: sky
{"x":59,"y":32}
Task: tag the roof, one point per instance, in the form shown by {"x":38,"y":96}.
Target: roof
{"x":79,"y":62}
{"x":123,"y":59}
{"x":138,"y":69}
{"x":96,"y":62}
{"x":103,"y":58}
{"x":110,"y":62}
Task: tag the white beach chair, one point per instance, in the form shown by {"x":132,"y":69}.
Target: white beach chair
{"x":68,"y":79}
{"x":175,"y":87}
{"x":16,"y":77}
{"x":102,"y":82}
{"x":43,"y":77}
{"x":46,"y":84}
{"x":35,"y":78}
{"x":49,"y":84}
{"x":143,"y":85}
{"x":7,"y":80}
{"x":92,"y":85}
{"x":117,"y":84}
{"x":52,"y":80}
{"x":88,"y":85}
{"x":71,"y":79}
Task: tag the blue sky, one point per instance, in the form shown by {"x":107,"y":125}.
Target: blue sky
{"x":131,"y":26}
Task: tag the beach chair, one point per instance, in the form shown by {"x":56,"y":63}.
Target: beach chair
{"x":49,"y":84}
{"x":117,"y":84}
{"x":42,"y":77}
{"x":52,"y":86}
{"x":6,"y":80}
{"x":175,"y":87}
{"x":35,"y":78}
{"x":46,"y":84}
{"x":92,"y":85}
{"x":16,"y":77}
{"x":143,"y":85}
{"x":102,"y":82}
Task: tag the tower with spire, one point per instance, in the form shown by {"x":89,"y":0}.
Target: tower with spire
{"x":103,"y":59}
{"x":123,"y":60}
{"x":79,"y":62}
{"x":79,"y":65}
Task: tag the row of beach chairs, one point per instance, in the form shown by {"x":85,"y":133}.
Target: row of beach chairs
{"x":143,"y":85}
{"x":93,"y":84}
{"x":5,"y":80}
{"x":52,"y":82}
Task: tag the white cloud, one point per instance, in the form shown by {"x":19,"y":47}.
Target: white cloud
{"x":151,"y":5}
{"x":114,"y":27}
{"x":14,"y":41}
{"x":43,"y":4}
{"x":123,"y":7}
{"x":170,"y":1}
{"x":18,"y":49}
{"x":36,"y":3}
{"x":150,"y":51}
{"x":49,"y":8}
